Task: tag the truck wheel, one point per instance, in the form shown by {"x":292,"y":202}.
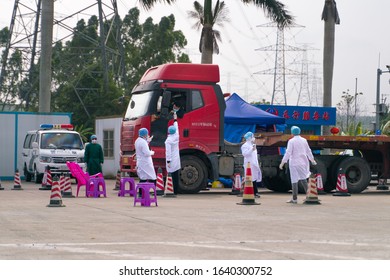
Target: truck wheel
{"x":280,"y":183}
{"x":357,"y":173}
{"x":37,"y":177}
{"x":193,"y":175}
{"x":27,"y":175}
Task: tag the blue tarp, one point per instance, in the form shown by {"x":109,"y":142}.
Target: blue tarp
{"x":241,"y":117}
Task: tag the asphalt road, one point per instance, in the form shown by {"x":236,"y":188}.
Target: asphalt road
{"x":205,"y":226}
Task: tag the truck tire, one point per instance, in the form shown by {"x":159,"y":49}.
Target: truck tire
{"x":37,"y":176}
{"x":357,"y":173}
{"x":193,"y":175}
{"x":27,"y":175}
{"x":280,"y":183}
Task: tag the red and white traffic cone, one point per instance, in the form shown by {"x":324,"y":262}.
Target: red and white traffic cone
{"x":67,"y":192}
{"x":17,"y":183}
{"x":341,"y":187}
{"x":160,"y":182}
{"x":248,"y":197}
{"x":118,"y":180}
{"x":312,"y":194}
{"x":319,"y":184}
{"x":62,"y":183}
{"x":46,"y":180}
{"x":55,"y":196}
{"x":168,"y":192}
{"x":236,"y":188}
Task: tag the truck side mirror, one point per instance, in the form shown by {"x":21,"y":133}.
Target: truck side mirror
{"x":165,"y":103}
{"x":34,"y":145}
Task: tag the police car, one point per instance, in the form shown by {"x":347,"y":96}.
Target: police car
{"x":52,"y":145}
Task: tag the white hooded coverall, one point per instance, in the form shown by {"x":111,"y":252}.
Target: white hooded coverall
{"x":298,"y":154}
{"x":250,"y":156}
{"x":145,"y":167}
{"x":172,"y":153}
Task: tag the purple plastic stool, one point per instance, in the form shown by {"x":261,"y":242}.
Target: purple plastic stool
{"x":122,"y":186}
{"x":93,"y":187}
{"x":145,"y":199}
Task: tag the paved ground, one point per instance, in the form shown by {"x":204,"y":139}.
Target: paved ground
{"x":208,"y":225}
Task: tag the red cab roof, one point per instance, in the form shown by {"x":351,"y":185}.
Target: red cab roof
{"x":183,"y":72}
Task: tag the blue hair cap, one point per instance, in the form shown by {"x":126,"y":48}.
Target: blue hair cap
{"x":295,"y":130}
{"x":172,"y":129}
{"x":143,"y":132}
{"x":248,"y":135}
{"x":93,"y":137}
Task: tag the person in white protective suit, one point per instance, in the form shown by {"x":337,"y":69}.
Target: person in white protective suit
{"x":145,"y":168}
{"x":172,"y":153}
{"x":249,"y":151}
{"x":298,"y":154}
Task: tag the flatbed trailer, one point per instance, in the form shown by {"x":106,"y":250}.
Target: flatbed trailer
{"x":371,"y":157}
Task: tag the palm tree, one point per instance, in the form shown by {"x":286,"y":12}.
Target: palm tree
{"x":331,"y":18}
{"x":207,"y":18}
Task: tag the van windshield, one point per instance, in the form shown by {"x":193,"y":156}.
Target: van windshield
{"x":138,"y":105}
{"x":58,"y":140}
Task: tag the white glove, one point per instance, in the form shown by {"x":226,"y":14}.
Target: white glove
{"x":313,"y":162}
{"x":281,"y":165}
{"x":152,"y":153}
{"x":149,"y":139}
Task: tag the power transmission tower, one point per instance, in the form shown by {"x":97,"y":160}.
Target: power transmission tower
{"x":279,"y":71}
{"x":24,"y":39}
{"x":305,"y":97}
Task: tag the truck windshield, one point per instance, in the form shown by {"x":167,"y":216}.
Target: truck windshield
{"x":138,"y":105}
{"x":64,"y":140}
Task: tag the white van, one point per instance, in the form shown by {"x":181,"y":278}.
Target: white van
{"x":52,"y":145}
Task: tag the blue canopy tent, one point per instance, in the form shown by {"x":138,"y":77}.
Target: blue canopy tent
{"x":241,"y":117}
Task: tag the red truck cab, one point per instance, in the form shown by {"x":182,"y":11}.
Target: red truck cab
{"x":195,"y":88}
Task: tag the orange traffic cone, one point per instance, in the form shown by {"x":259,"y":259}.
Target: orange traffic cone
{"x":67,"y":192}
{"x":312,"y":194}
{"x":341,"y":187}
{"x":160,"y":182}
{"x":17,"y":183}
{"x":168,"y":192}
{"x":248,"y":197}
{"x":118,"y":180}
{"x":319,"y":184}
{"x":55,"y":196}
{"x":236,"y":188}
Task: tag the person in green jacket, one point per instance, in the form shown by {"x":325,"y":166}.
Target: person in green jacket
{"x":93,"y":156}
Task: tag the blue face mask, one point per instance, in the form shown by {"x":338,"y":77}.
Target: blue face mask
{"x":175,"y":110}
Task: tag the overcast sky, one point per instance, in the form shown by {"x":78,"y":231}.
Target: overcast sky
{"x":362,"y":46}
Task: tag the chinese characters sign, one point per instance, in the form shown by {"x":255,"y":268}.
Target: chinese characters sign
{"x":303,"y":115}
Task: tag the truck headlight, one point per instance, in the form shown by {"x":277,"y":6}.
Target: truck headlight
{"x":45,"y":159}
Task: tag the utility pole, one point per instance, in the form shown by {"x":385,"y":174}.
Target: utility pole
{"x":46,"y":51}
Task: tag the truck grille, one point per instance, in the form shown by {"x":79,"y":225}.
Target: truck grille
{"x":63,"y":159}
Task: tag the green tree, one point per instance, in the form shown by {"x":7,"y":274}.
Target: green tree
{"x":206,"y":18}
{"x":273,"y":9}
{"x":77,"y":65}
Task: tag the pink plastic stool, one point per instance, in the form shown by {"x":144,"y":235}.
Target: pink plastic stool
{"x":93,"y":187}
{"x":145,"y":199}
{"x":122,"y":186}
